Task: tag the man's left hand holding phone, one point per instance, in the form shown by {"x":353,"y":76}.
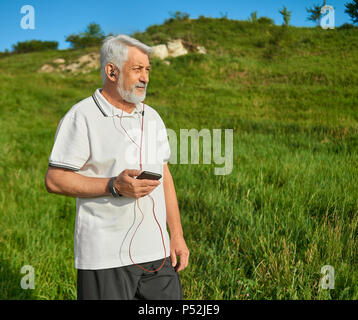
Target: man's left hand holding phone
{"x":130,"y":183}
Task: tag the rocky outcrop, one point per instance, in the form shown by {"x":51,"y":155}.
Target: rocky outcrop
{"x":175,"y":48}
{"x":160,"y":51}
{"x":89,"y":62}
{"x":83,"y":64}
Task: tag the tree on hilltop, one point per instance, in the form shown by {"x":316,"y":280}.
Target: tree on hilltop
{"x":92,"y":36}
{"x":286,"y":16}
{"x":352,"y":10}
{"x":253,"y":17}
{"x":315,"y":12}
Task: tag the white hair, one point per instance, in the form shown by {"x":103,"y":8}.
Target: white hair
{"x":115,"y":50}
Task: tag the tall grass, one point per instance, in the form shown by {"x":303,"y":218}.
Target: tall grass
{"x":290,"y":204}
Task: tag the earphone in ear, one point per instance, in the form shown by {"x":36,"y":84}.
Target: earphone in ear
{"x":112,"y":74}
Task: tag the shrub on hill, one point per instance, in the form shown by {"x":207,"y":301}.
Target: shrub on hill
{"x":265,"y":20}
{"x":34,"y":45}
{"x":177,"y":16}
{"x":346,"y":26}
{"x":92,"y":36}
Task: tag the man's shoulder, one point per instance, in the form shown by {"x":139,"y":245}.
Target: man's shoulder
{"x":83,"y":108}
{"x":154,"y":114}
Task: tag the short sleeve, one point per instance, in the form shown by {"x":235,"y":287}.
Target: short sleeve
{"x":71,"y":147}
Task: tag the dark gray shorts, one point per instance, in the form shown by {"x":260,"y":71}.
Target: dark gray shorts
{"x":130,"y":283}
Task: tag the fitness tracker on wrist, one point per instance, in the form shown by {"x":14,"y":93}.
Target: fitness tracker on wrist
{"x":112,"y":188}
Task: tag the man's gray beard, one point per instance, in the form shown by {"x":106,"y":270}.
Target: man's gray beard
{"x":130,"y":96}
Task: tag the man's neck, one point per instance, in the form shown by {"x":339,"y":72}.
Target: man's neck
{"x":116,"y":100}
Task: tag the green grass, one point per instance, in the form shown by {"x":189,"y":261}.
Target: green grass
{"x":290,"y":204}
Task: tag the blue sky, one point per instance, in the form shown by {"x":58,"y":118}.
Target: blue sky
{"x":54,"y":20}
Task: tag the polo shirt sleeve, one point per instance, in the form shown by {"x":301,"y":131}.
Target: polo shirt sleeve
{"x":71,"y":147}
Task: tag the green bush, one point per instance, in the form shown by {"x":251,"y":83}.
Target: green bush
{"x":34,"y":45}
{"x":5,"y":53}
{"x":346,"y":26}
{"x":92,"y":36}
{"x":78,"y":42}
{"x":265,"y":20}
{"x":160,"y":37}
{"x":177,"y":16}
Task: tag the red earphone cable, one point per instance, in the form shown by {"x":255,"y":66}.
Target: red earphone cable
{"x":161,"y":233}
{"x":160,"y":229}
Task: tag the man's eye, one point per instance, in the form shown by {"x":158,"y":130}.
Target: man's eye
{"x":140,"y":69}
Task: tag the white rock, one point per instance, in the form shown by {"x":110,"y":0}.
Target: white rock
{"x":59,"y":61}
{"x":46,"y":68}
{"x":176,"y":48}
{"x":73,"y":67}
{"x":160,"y":51}
{"x":61,"y":67}
{"x":92,"y":58}
{"x":201,"y":50}
{"x":84,"y":63}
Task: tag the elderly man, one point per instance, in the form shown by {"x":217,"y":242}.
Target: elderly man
{"x":102,"y":144}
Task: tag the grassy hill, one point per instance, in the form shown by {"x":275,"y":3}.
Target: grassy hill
{"x":288,"y":208}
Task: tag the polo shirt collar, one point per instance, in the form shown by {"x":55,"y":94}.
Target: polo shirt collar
{"x":110,"y":110}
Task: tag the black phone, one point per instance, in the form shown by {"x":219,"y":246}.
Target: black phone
{"x":149,"y":175}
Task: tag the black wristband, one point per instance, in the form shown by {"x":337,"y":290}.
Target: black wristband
{"x":112,"y":188}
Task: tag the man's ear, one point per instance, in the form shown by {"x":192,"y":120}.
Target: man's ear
{"x":112,"y":72}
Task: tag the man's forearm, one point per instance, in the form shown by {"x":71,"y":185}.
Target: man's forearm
{"x":178,"y":247}
{"x":69,"y":183}
{"x":171,"y":202}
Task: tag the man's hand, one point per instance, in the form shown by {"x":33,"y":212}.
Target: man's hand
{"x":130,"y":187}
{"x":178,"y":248}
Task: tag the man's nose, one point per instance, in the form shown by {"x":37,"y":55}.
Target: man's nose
{"x":144,"y":76}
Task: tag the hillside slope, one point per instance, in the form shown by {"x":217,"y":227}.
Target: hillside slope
{"x":263,"y":232}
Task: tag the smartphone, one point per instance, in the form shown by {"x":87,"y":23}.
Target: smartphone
{"x":149,"y":175}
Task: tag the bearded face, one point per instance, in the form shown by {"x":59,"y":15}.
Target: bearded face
{"x":136,"y":92}
{"x":134,"y":76}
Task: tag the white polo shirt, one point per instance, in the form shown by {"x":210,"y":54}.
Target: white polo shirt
{"x":91,"y":141}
